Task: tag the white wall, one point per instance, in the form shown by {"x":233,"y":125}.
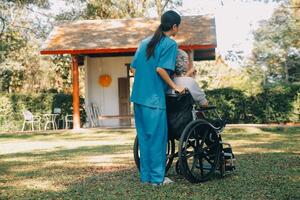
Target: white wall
{"x":107,"y":98}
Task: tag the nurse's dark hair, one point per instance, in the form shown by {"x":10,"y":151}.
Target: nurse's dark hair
{"x":167,"y":21}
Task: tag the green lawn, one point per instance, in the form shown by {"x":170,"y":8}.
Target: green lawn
{"x":98,"y":164}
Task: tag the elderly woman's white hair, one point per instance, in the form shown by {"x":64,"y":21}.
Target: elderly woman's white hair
{"x":182,"y":62}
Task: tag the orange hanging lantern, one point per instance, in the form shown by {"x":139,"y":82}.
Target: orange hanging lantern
{"x":105,"y":80}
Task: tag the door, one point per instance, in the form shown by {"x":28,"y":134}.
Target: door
{"x":124,"y":102}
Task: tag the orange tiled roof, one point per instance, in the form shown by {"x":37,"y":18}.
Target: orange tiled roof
{"x":124,"y":35}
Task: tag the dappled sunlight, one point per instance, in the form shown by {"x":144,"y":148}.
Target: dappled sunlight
{"x":242,"y":150}
{"x":38,"y":184}
{"x":18,"y":159}
{"x":260,"y":140}
{"x":123,"y":159}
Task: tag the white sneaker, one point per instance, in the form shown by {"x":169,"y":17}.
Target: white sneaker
{"x":166,"y":182}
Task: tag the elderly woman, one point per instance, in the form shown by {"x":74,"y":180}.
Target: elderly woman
{"x":183,"y":78}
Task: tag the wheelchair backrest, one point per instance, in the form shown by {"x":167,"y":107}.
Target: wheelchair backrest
{"x":179,"y":113}
{"x":177,"y":102}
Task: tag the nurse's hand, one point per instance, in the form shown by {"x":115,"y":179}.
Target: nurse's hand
{"x":179,"y":89}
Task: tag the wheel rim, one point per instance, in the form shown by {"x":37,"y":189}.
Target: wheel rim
{"x":199,"y":153}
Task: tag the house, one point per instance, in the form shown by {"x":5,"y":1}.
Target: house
{"x":105,"y":48}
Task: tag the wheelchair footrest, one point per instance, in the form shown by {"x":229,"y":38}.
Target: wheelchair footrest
{"x":229,"y":159}
{"x":230,"y":164}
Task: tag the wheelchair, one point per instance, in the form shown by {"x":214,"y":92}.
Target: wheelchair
{"x":201,"y":151}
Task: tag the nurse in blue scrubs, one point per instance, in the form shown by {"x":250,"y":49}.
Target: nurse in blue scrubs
{"x":152,"y":64}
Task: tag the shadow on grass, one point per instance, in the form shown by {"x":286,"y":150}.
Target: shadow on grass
{"x":258,"y":176}
{"x":64,"y":134}
{"x":70,"y":153}
{"x":283,"y":130}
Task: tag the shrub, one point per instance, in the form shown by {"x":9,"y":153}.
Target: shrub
{"x":275,"y":104}
{"x":279,"y":103}
{"x":230,"y":103}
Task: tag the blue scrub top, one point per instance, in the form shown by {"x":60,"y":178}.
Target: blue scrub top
{"x":148,"y":87}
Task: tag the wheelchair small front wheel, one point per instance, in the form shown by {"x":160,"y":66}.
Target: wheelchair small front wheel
{"x":169,"y":153}
{"x":199,"y":152}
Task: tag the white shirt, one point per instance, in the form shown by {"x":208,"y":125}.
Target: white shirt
{"x":190,"y":83}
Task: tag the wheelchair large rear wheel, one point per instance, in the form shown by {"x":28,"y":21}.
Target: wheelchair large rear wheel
{"x":170,"y":153}
{"x":199,"y":151}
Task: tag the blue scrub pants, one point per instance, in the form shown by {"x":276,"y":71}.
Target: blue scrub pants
{"x":152,"y":131}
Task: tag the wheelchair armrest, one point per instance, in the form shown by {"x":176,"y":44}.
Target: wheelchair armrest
{"x":206,"y":108}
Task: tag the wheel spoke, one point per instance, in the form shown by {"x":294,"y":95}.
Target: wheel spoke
{"x":204,"y":137}
{"x":201,"y":168}
{"x":193,"y":166}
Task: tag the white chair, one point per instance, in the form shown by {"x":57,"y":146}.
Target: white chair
{"x":93,"y":113}
{"x":60,"y":118}
{"x":31,"y":119}
{"x":68,"y":120}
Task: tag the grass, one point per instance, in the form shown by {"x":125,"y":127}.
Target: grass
{"x":98,"y":164}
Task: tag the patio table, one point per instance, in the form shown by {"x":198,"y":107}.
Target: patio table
{"x":50,"y":119}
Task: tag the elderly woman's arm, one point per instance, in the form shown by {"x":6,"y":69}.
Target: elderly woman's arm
{"x":197,"y":93}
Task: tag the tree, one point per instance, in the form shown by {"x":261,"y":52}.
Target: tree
{"x":21,"y":66}
{"x":125,"y":8}
{"x":277,"y":46}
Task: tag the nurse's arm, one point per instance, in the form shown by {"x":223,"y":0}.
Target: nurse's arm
{"x":165,"y":76}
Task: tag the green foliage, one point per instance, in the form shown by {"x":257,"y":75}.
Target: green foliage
{"x":11,"y":79}
{"x":278,"y":104}
{"x":230,"y":103}
{"x":62,"y":68}
{"x":113,"y":9}
{"x":11,"y":40}
{"x":22,"y":70}
{"x":65,"y":102}
{"x":294,"y":115}
{"x":218,"y":74}
{"x":21,"y":66}
{"x":39,"y":3}
{"x":277,"y":47}
{"x":13,"y":104}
